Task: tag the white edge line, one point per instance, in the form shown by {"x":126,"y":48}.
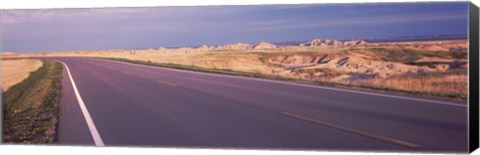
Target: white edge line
{"x":91,"y":126}
{"x":297,"y":84}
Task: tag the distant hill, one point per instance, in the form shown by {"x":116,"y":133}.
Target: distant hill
{"x":387,"y":39}
{"x":324,"y":42}
{"x":415,"y":38}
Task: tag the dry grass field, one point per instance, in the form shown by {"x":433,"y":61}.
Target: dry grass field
{"x":436,"y":68}
{"x":30,"y":108}
{"x":15,"y":71}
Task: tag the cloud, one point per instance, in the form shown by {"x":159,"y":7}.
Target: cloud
{"x":45,"y":15}
{"x":8,"y":21}
{"x":298,"y":24}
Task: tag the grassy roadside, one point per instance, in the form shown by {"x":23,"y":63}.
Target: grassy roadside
{"x":457,"y":97}
{"x":30,"y":108}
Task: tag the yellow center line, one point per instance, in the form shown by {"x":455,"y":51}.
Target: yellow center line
{"x":351,"y":130}
{"x":166,"y":83}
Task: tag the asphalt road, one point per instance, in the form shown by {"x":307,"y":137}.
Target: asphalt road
{"x":136,"y":105}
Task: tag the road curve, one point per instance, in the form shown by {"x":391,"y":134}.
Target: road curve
{"x":136,"y":105}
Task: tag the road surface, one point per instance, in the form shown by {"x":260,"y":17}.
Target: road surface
{"x":134,"y":105}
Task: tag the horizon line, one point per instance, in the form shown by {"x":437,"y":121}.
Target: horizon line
{"x":278,"y":43}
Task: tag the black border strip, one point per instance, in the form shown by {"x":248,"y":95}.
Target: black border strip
{"x":474,"y":78}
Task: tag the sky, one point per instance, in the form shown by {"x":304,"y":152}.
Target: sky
{"x":45,"y":30}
